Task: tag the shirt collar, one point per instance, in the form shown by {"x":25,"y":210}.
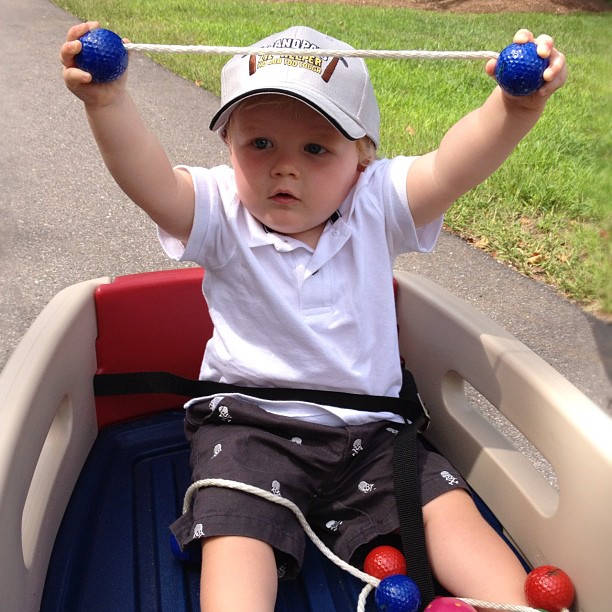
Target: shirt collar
{"x":257,"y":234}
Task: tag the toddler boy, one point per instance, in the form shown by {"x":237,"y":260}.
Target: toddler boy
{"x":298,"y":238}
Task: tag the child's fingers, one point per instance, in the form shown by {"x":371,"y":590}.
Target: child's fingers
{"x":556,"y":73}
{"x":545,"y":45}
{"x":68,"y":51}
{"x":490,"y":67}
{"x":522,"y":36}
{"x":556,"y":65}
{"x":544,"y":42}
{"x":72,"y":46}
{"x":81,"y":29}
{"x":76,"y":76}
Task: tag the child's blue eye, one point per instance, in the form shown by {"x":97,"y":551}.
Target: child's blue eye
{"x":315,"y":149}
{"x":261,"y":143}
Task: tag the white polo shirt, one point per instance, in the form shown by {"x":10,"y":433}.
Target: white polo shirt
{"x":287,"y":315}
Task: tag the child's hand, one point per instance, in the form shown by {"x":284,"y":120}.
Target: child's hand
{"x":80,"y":82}
{"x":554,"y":76}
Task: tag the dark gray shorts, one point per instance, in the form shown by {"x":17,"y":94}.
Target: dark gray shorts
{"x":339,"y":477}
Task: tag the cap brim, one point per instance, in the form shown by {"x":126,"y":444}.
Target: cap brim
{"x":342,"y":122}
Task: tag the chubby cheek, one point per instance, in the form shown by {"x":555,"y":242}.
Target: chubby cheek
{"x":340,"y":182}
{"x":347,"y":179}
{"x":245,"y":190}
{"x":247,"y":184}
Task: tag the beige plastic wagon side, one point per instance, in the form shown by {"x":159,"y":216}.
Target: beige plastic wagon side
{"x":447,"y":342}
{"x":48,"y":426}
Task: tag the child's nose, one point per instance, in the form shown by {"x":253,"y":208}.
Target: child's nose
{"x":285,"y":165}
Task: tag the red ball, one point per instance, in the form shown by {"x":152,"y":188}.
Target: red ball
{"x":550,"y":588}
{"x":449,"y":604}
{"x":384,"y":561}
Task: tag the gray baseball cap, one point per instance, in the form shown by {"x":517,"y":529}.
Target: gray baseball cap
{"x":338,"y":88}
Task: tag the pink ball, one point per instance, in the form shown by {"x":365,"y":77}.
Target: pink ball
{"x":449,"y":604}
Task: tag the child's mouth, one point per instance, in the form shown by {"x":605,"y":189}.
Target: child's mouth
{"x":284,"y":197}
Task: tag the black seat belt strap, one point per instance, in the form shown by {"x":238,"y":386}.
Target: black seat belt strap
{"x":131,"y":383}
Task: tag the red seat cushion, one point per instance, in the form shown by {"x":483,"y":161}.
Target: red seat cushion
{"x":154,"y":321}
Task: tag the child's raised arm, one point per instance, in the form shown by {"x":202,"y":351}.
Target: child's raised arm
{"x":481,"y":141}
{"x":131,"y":152}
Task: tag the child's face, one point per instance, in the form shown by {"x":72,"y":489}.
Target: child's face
{"x":293,"y":168}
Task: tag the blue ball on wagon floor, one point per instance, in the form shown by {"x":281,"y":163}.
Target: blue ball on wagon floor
{"x":397,"y":593}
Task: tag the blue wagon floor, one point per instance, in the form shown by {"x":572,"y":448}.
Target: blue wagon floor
{"x":113,"y":548}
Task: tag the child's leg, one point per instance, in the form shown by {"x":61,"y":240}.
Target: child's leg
{"x":238,"y":573}
{"x":468,"y":557}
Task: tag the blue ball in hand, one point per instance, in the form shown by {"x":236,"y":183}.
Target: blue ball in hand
{"x":519,"y":69}
{"x":103,"y":55}
{"x":397,"y":593}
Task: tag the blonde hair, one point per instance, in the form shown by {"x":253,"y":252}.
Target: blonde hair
{"x":366,"y":148}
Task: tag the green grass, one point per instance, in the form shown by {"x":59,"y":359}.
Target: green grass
{"x":547,"y":211}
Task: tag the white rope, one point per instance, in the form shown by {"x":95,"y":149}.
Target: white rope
{"x":371,"y":581}
{"x":365,"y":53}
{"x":363,"y":596}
